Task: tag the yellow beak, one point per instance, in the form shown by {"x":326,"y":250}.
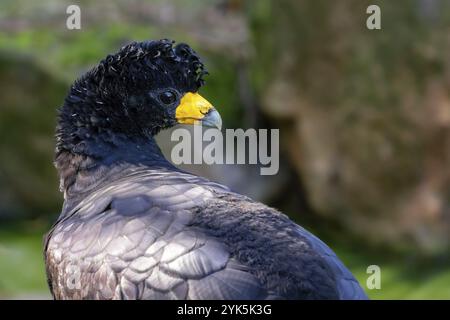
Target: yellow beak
{"x":196,"y":110}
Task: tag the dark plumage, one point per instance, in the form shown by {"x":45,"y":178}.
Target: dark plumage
{"x":135,"y":227}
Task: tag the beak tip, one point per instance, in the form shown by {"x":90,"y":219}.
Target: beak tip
{"x":212,"y":119}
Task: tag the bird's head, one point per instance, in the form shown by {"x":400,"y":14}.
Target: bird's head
{"x":143,"y":88}
{"x":113,"y":111}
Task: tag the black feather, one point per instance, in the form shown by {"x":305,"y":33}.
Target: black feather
{"x":135,"y":227}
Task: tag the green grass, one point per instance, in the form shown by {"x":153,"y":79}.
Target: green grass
{"x":21,"y":262}
{"x":23,"y":275}
{"x":402,"y":277}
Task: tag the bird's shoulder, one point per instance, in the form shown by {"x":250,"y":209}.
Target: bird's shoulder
{"x":174,"y":235}
{"x":292,"y":262}
{"x":135,"y":237}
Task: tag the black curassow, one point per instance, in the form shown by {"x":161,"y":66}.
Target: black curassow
{"x":133,"y":226}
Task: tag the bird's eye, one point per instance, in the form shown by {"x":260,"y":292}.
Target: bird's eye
{"x":168,"y":97}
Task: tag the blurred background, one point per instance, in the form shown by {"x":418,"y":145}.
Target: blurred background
{"x":364,"y":119}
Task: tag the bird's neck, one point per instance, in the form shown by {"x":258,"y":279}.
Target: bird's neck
{"x":101,"y":160}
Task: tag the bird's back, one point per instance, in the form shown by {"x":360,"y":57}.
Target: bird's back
{"x":165,"y":234}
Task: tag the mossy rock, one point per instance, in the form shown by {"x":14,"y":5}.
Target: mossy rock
{"x":364,"y":116}
{"x":29,"y":99}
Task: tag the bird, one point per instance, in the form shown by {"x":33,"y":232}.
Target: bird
{"x":134,"y":226}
